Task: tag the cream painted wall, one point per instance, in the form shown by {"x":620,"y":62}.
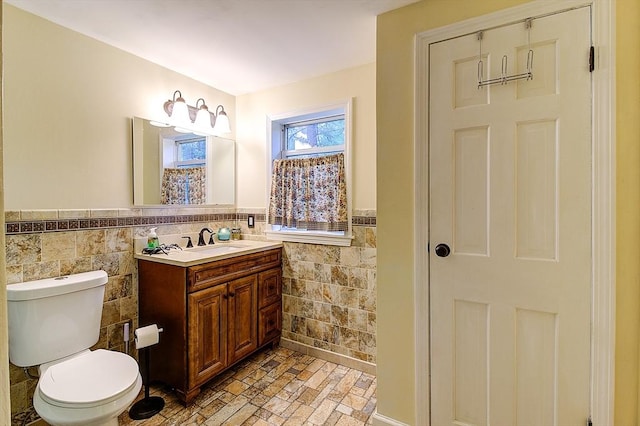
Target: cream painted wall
{"x":253,"y":109}
{"x":70,"y":98}
{"x":5,"y":403}
{"x":627,"y":394}
{"x":395,"y":183}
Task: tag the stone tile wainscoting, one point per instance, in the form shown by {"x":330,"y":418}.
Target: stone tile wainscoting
{"x":329,"y":292}
{"x":329,"y":296}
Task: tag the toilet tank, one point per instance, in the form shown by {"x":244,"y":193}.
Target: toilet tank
{"x":53,"y":318}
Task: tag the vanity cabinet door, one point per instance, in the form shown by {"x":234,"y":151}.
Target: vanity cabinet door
{"x":243,"y":335}
{"x":207,"y":352}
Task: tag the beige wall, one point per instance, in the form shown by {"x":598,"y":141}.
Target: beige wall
{"x":395,"y":126}
{"x":68,"y":130}
{"x":5,"y":405}
{"x":628,"y":211}
{"x":253,"y":109}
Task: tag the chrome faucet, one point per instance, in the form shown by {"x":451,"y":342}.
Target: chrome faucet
{"x":201,"y":237}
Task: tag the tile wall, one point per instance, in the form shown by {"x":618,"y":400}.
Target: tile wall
{"x":328,"y":292}
{"x":329,"y":295}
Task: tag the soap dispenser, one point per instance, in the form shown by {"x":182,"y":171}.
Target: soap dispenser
{"x":152,"y":239}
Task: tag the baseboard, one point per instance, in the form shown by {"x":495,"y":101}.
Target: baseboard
{"x":365,"y":367}
{"x":382,"y":420}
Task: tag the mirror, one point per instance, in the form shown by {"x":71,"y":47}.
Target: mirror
{"x":173,"y":168}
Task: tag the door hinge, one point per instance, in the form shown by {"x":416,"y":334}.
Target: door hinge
{"x":592,"y":59}
{"x":589,"y":422}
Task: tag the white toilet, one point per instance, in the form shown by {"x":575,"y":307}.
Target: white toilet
{"x":52,"y":324}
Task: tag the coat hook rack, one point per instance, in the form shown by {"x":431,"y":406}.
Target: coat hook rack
{"x":504,"y":76}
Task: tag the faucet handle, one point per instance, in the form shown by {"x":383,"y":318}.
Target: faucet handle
{"x":189,"y":243}
{"x":211,"y":241}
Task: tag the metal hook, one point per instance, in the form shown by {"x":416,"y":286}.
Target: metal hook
{"x":504,"y":69}
{"x":479,"y":36}
{"x":528,"y":23}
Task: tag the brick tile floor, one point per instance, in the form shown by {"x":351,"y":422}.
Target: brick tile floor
{"x":274,"y":387}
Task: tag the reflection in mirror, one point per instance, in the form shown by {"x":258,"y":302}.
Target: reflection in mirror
{"x":181,"y":168}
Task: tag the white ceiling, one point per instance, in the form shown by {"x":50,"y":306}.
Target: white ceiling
{"x":237,"y":46}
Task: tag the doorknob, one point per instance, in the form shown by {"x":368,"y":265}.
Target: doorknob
{"x":442,"y":250}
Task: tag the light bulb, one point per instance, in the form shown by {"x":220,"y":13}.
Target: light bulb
{"x":180,"y":114}
{"x":222,"y":123}
{"x":203,"y":121}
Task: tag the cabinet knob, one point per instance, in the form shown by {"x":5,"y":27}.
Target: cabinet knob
{"x":231,"y":294}
{"x":224,"y":296}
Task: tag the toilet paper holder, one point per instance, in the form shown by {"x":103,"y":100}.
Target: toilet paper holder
{"x":147,"y":336}
{"x":149,"y":405}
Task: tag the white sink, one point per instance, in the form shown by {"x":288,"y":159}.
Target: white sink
{"x":214,"y":249}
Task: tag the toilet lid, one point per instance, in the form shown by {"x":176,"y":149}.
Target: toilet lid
{"x":89,"y":380}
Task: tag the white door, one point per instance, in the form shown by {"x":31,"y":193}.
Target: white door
{"x":510,"y":194}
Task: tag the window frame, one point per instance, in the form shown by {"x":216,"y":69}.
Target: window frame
{"x":191,"y":163}
{"x":277,"y":150}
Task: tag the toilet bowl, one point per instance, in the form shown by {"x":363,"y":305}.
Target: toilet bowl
{"x":92,"y":388}
{"x":52,"y":324}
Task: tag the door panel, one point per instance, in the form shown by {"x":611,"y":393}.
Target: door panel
{"x":243,"y":321}
{"x":536,"y":182}
{"x":510,"y":193}
{"x":471,"y":189}
{"x":208,"y":332}
{"x":471,"y":336}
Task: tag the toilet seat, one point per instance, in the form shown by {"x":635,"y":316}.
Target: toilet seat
{"x":92,"y":379}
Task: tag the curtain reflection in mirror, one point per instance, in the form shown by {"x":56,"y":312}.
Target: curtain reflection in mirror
{"x":184,"y":186}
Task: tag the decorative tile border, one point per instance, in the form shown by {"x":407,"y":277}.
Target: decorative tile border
{"x":363,"y":220}
{"x":37,"y":226}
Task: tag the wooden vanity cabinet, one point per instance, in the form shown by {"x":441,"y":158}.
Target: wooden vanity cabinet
{"x":213,"y":315}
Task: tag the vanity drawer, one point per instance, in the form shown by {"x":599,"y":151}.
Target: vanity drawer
{"x":269,"y":287}
{"x":213,"y":273}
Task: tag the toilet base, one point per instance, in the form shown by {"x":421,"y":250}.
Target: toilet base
{"x":146,"y":407}
{"x":105,"y":415}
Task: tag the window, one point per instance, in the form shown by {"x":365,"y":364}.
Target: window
{"x":314,"y":137}
{"x":191,"y":153}
{"x":320,"y":138}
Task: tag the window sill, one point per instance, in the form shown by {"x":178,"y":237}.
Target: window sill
{"x":310,"y":238}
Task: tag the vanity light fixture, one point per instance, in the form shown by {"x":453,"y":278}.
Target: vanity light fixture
{"x":186,"y":118}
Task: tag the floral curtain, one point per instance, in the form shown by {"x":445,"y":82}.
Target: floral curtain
{"x":184,"y":186}
{"x":309,"y":193}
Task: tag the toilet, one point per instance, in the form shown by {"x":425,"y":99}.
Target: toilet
{"x":52,"y":324}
